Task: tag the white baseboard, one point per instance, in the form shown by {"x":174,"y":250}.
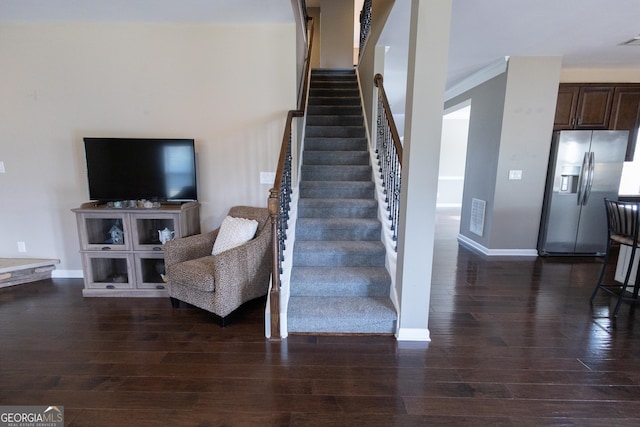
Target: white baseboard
{"x":67,"y":274}
{"x":413,"y":334}
{"x":475,"y":246}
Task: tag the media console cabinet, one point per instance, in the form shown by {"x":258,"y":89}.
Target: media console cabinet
{"x":122,"y":255}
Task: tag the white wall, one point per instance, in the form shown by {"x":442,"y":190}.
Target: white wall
{"x":453,"y":149}
{"x":227,"y":86}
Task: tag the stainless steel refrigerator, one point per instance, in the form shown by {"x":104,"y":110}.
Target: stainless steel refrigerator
{"x":584,"y":169}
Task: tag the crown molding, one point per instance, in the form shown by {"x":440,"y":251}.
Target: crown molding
{"x":484,"y":74}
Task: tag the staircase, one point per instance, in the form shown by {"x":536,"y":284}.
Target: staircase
{"x":339,"y":283}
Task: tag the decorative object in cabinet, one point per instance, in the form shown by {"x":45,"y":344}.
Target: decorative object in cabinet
{"x":122,"y":254}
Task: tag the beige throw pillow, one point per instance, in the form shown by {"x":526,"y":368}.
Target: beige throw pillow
{"x":234,"y":232}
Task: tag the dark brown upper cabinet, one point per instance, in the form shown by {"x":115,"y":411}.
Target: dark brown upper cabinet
{"x":583,"y":107}
{"x":625,"y":114}
{"x":566,"y":107}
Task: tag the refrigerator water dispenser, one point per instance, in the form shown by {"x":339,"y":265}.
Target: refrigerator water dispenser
{"x":569,"y":177}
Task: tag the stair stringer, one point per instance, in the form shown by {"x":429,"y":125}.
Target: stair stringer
{"x":391,"y":258}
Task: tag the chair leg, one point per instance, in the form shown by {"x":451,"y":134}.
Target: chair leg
{"x":618,"y":304}
{"x":175,"y":303}
{"x":224,"y":321}
{"x":605,"y":261}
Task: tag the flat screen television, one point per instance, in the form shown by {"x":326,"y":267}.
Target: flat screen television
{"x":154,"y":169}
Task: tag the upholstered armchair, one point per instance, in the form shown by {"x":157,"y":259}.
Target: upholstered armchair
{"x":221,"y":283}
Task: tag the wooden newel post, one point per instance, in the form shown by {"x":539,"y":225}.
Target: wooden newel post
{"x":274,"y":294}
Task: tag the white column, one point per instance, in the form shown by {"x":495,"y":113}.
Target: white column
{"x":428,"y":55}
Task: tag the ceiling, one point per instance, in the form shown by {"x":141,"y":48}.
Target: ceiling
{"x":586,"y":33}
{"x":147,"y":10}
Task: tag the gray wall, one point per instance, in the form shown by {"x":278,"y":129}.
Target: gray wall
{"x":336,"y":34}
{"x":483,"y":148}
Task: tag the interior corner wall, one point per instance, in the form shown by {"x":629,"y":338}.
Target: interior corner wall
{"x":483,"y":150}
{"x":227,"y":86}
{"x":336,"y":34}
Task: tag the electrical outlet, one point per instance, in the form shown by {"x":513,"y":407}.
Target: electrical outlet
{"x":267,"y":177}
{"x":22,"y":247}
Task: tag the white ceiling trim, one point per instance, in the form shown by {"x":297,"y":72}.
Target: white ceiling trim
{"x":484,"y":74}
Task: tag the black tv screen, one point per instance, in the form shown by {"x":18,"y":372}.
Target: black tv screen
{"x":141,"y":168}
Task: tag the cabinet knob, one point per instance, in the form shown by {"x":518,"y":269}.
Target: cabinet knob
{"x":106,"y":248}
{"x":157,"y":248}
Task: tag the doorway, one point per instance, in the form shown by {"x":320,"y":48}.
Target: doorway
{"x":453,"y":157}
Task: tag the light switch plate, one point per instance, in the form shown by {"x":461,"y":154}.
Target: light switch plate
{"x":515,"y":174}
{"x":1,"y":166}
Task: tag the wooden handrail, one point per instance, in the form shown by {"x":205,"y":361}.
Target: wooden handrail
{"x":278,"y":203}
{"x":378,"y":81}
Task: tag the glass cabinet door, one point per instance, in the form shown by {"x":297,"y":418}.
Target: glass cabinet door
{"x":105,"y":232}
{"x":108,"y":270}
{"x":150,"y":271}
{"x":151,"y":231}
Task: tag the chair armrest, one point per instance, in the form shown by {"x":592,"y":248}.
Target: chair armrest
{"x":190,"y":247}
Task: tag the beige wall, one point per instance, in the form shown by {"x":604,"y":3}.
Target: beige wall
{"x":227,"y":86}
{"x":599,"y":75}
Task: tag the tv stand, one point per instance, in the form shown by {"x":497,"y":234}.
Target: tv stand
{"x":122,"y":255}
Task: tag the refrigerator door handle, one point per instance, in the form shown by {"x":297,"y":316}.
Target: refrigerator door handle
{"x":587,"y":188}
{"x":581,"y":180}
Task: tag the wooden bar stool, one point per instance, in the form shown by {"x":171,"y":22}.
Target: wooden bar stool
{"x":623,"y":225}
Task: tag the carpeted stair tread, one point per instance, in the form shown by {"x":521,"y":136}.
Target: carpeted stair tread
{"x":334,"y":92}
{"x":338,"y":229}
{"x":336,"y":131}
{"x":329,"y":120}
{"x":332,"y":144}
{"x":339,"y":172}
{"x":337,"y":189}
{"x":341,"y":315}
{"x":340,"y":253}
{"x":335,"y":157}
{"x":337,"y":281}
{"x":334,"y":100}
{"x":337,"y":208}
{"x":333,"y":110}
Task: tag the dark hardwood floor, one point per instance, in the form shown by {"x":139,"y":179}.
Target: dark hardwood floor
{"x":514,"y":342}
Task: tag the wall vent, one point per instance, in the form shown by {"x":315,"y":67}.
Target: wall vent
{"x":476,"y":225}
